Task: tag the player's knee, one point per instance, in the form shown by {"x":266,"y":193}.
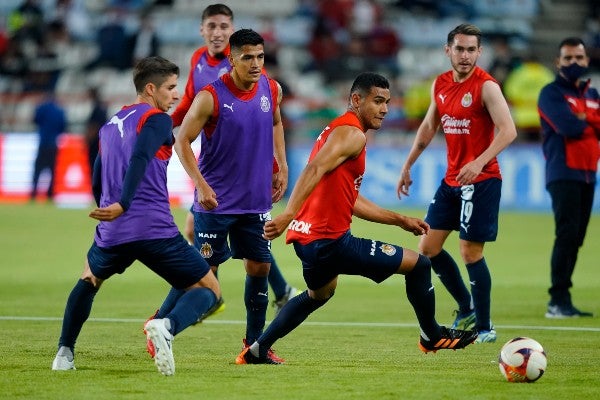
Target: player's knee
{"x":90,"y":278}
{"x":429,"y":251}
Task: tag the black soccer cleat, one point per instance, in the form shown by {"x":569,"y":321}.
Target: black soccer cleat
{"x":452,"y":339}
{"x":246,"y":357}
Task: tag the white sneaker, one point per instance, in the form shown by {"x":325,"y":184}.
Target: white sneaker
{"x":157,"y":331}
{"x":64,"y":360}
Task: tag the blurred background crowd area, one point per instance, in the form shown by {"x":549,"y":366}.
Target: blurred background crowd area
{"x":314,"y":48}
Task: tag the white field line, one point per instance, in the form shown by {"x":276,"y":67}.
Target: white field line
{"x":315,"y":323}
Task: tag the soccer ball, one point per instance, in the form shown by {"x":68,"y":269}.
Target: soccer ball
{"x":522,"y":359}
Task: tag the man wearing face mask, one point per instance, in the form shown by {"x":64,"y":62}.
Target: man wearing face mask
{"x":570,"y":123}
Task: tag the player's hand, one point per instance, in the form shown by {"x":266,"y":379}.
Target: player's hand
{"x":279,"y":186}
{"x":274,"y":228}
{"x":404,"y":183}
{"x":469,"y":172}
{"x":416,"y":226}
{"x":207,"y":197}
{"x":108,"y":213}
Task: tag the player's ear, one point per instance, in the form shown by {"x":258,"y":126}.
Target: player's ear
{"x":355,"y":99}
{"x":150,"y":88}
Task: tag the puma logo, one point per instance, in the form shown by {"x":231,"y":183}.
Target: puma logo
{"x":115,"y":120}
{"x":442,"y":97}
{"x":228,"y":106}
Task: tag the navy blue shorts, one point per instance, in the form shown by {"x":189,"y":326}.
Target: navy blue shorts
{"x":173,"y":259}
{"x":470,"y":209}
{"x":323,"y":260}
{"x":245,"y":237}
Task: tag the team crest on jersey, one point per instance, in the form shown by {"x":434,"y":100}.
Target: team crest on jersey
{"x":265,"y":105}
{"x":206,"y":250}
{"x":467,"y":100}
{"x":387,"y":249}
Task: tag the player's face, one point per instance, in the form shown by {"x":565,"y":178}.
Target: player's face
{"x":463,"y":54}
{"x":373,"y":108}
{"x":572,"y":54}
{"x":248,"y":63}
{"x":216,"y":31}
{"x":166,"y":94}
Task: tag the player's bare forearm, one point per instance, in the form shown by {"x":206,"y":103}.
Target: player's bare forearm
{"x":279,"y":185}
{"x":416,"y":226}
{"x":369,"y":211}
{"x":424,"y":136}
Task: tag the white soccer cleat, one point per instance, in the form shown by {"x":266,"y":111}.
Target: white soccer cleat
{"x":158,"y":333}
{"x":64,"y":360}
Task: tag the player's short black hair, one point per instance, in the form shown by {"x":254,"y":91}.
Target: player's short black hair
{"x":154,"y":70}
{"x":245,"y":37}
{"x":365,"y":81}
{"x":217,"y":9}
{"x":572,"y":41}
{"x":464,"y":29}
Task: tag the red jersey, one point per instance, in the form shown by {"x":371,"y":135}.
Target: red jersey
{"x":467,"y":125}
{"x":327,"y":212}
{"x":204,"y":69}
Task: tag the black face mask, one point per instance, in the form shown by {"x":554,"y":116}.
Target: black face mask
{"x":573,"y":71}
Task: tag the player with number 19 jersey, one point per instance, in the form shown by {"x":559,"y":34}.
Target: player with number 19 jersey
{"x":465,"y":119}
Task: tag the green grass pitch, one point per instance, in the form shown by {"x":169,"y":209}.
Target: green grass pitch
{"x":361,"y":345}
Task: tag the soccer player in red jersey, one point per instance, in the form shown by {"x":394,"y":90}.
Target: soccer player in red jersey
{"x":317,"y":219}
{"x":469,"y":106}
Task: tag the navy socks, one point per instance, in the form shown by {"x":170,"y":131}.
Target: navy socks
{"x":421,"y":295}
{"x":189,"y":307}
{"x":481,"y":288}
{"x":77,"y":311}
{"x":169,"y":302}
{"x":296,"y":310}
{"x":447,"y":270}
{"x":256,"y":300}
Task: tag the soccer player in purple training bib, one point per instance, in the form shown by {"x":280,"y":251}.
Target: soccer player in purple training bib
{"x":207,"y":64}
{"x":239,"y":123}
{"x":130,"y":188}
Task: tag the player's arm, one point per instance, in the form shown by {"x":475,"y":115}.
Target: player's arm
{"x":343,"y":143}
{"x":281,"y":178}
{"x":506,"y":132}
{"x":188,"y":96}
{"x":197,"y":116}
{"x":423,"y":138}
{"x":97,"y":179}
{"x":155,"y":133}
{"x":369,"y":211}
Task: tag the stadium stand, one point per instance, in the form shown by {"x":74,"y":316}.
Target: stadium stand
{"x":420,"y":26}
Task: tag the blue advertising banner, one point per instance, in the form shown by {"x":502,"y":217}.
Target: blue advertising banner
{"x":522,"y":168}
